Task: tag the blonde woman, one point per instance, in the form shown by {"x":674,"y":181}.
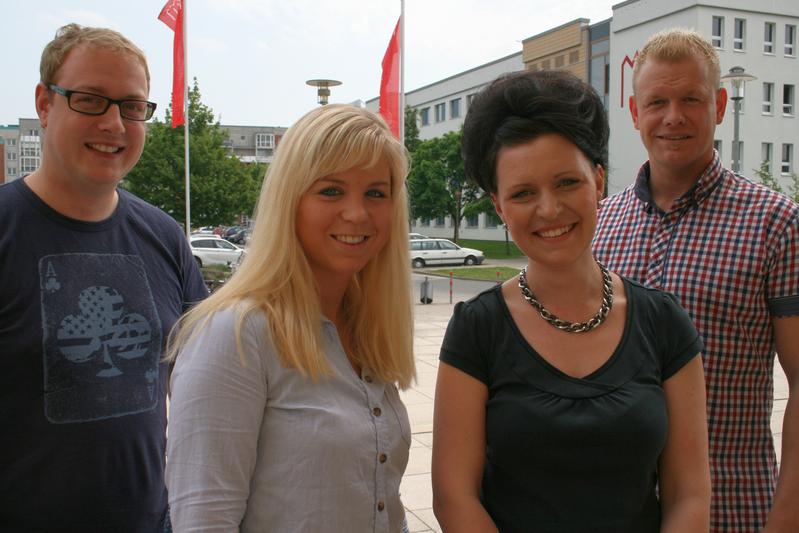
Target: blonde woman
{"x":285,"y":414}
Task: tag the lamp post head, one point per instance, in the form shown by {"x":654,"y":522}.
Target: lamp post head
{"x":737,"y":77}
{"x":323,"y":89}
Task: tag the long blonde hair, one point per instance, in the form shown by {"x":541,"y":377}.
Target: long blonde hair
{"x":275,"y":277}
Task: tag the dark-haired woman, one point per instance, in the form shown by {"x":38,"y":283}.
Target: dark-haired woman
{"x":568,"y":399}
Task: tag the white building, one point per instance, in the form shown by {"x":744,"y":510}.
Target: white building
{"x":761,"y":37}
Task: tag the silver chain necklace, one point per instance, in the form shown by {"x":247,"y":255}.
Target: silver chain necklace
{"x":572,"y":327}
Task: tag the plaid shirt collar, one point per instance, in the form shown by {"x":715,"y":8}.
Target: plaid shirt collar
{"x":710,"y":178}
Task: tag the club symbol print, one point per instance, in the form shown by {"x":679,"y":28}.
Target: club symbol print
{"x":102,"y":330}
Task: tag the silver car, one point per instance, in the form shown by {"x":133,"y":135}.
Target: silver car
{"x":213,"y":250}
{"x":426,"y":252}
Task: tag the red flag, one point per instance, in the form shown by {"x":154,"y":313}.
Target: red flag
{"x":172,"y":16}
{"x":390,"y":83}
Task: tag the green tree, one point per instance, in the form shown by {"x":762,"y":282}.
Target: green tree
{"x":411,"y":129}
{"x":437,"y":184}
{"x":222,"y":187}
{"x":768,"y":179}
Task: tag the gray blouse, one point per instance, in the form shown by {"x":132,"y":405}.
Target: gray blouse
{"x":256,"y":446}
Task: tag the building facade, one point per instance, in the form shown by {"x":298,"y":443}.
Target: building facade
{"x":760,"y":37}
{"x":22,"y":145}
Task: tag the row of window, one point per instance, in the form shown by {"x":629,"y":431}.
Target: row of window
{"x":473,"y":221}
{"x":440,"y":110}
{"x":766,"y":154}
{"x":560,"y":61}
{"x":264,"y":140}
{"x":788,"y":97}
{"x":769,"y":36}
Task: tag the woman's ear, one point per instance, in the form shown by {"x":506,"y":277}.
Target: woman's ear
{"x":599,"y":175}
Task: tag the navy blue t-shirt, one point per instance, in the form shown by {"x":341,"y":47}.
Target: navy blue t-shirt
{"x":85,"y":310}
{"x":566,"y":454}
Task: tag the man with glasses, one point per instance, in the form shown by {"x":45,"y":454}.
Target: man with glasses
{"x":91,"y":281}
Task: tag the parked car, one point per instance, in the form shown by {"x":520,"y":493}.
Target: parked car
{"x":414,"y":236}
{"x":426,"y":252}
{"x":213,"y":250}
{"x":241,"y":237}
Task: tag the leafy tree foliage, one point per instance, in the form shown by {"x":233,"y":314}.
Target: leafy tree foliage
{"x":767,"y":178}
{"x":222,"y":187}
{"x":437,"y":183}
{"x":411,"y":129}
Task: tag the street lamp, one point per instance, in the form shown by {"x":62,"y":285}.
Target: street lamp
{"x":737,"y":77}
{"x":323,"y":89}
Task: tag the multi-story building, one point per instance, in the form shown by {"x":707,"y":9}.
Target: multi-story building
{"x":761,"y":38}
{"x":9,"y":139}
{"x":253,"y":144}
{"x":22,"y":145}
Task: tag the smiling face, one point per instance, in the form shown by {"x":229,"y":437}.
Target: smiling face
{"x":92,"y":153}
{"x":344,"y":220}
{"x":547,"y":193}
{"x":676,"y":109}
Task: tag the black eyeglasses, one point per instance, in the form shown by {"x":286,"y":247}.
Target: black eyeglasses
{"x":94,"y":104}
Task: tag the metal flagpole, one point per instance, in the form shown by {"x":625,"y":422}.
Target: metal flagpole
{"x":186,"y":121}
{"x":402,"y":74}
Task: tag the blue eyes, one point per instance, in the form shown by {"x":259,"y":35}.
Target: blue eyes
{"x":334,"y":191}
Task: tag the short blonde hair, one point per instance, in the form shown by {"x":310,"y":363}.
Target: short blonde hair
{"x":72,"y":35}
{"x":676,"y":44}
{"x":275,"y":277}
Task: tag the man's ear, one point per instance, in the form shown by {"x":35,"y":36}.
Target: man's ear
{"x":721,"y":104}
{"x":43,"y":101}
{"x":633,"y":110}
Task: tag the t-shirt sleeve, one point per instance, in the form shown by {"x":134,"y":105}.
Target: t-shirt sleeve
{"x":782,"y":283}
{"x":461,"y":346}
{"x":680,"y":341}
{"x":194,"y":288}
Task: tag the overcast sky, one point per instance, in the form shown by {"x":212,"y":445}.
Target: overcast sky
{"x":252,"y":57}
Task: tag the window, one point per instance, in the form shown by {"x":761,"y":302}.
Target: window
{"x":11,"y":156}
{"x":787,"y":159}
{"x":574,"y":57}
{"x":472,"y":221}
{"x":29,"y":164}
{"x":11,"y":170}
{"x":492,"y":219}
{"x":469,"y":98}
{"x":766,"y":150}
{"x":455,"y":108}
{"x":545,"y":64}
{"x":440,"y":222}
{"x":790,"y":40}
{"x":425,"y":114}
{"x":718,"y":32}
{"x":740,"y":153}
{"x":558,"y":61}
{"x":740,"y":35}
{"x":533,"y":66}
{"x":33,"y":133}
{"x":11,"y":142}
{"x":425,"y":223}
{"x":264,"y":140}
{"x":768,"y":97}
{"x":768,"y":37}
{"x":717,"y":146}
{"x":441,"y":112}
{"x":787,"y":99}
{"x":30,"y":151}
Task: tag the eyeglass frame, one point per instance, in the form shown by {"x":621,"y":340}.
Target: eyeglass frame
{"x":67,"y":93}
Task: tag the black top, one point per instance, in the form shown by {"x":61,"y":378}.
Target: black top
{"x":565,"y":454}
{"x":85,"y":309}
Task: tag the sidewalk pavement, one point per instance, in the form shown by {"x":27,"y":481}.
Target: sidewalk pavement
{"x":416,"y":489}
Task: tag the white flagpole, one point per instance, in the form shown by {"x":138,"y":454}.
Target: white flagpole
{"x":402,"y":74}
{"x":186,"y":120}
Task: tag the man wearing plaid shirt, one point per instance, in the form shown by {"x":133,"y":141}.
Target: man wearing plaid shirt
{"x":727,"y":247}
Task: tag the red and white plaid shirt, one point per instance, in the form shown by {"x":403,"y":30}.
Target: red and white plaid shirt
{"x":728,"y":250}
